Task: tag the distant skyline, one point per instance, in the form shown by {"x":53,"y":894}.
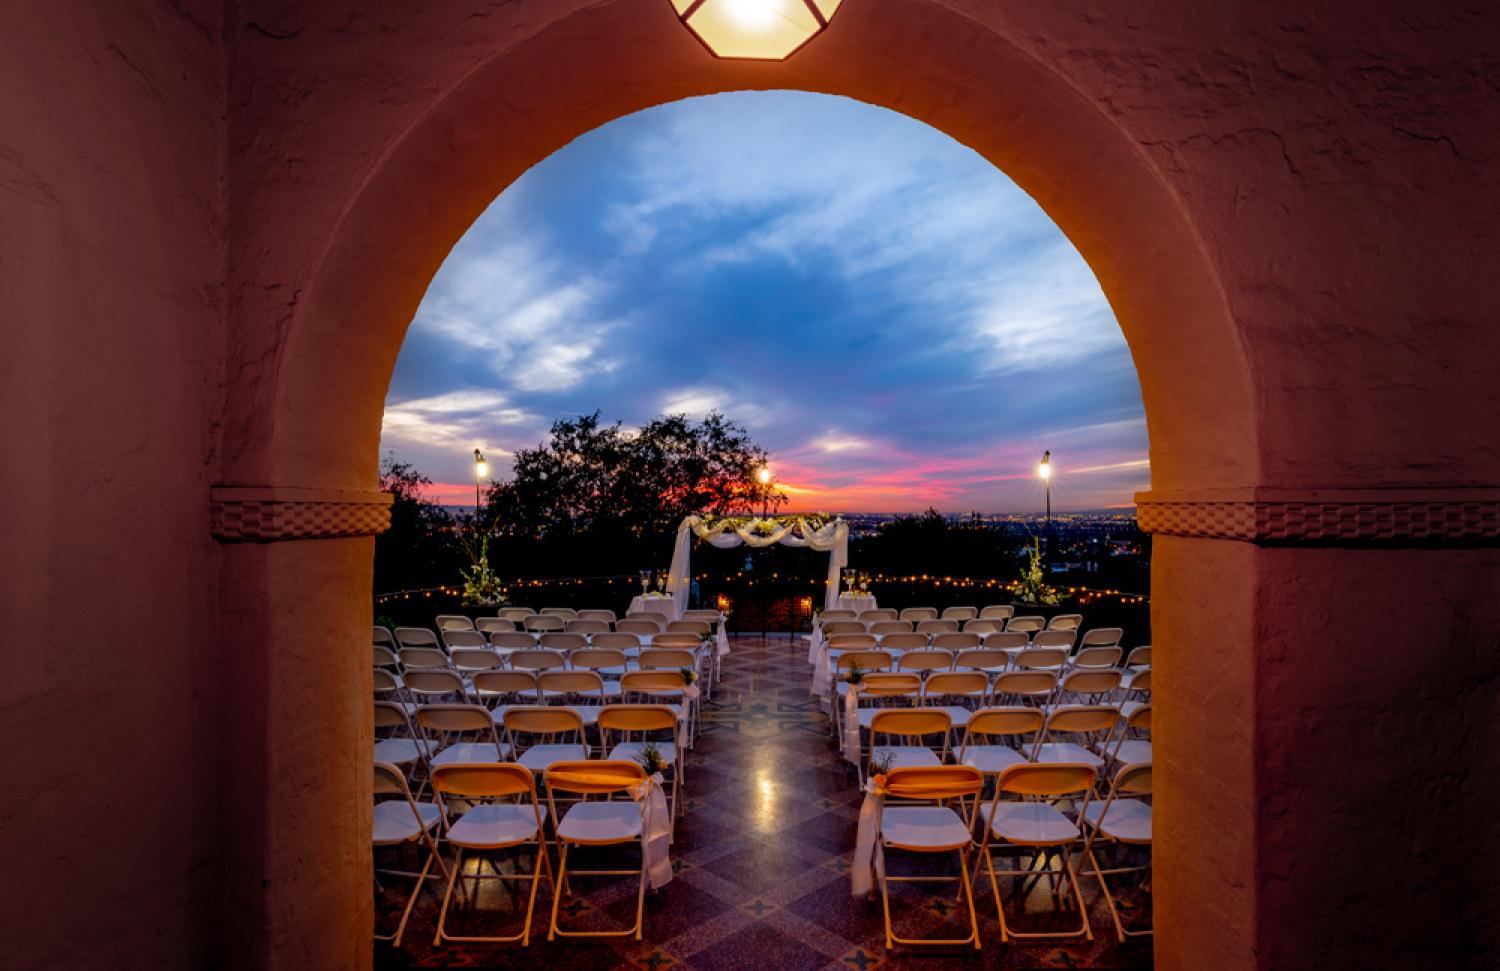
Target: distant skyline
{"x":886,"y":312}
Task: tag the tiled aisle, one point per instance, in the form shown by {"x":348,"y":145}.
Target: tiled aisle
{"x":761,"y":863}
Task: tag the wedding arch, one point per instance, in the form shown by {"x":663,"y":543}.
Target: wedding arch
{"x":816,"y":532}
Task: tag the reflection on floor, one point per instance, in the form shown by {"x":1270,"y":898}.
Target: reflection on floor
{"x":761,"y":861}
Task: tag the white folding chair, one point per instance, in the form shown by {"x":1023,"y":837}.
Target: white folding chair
{"x":1065,"y":622}
{"x":416,"y":637}
{"x":465,"y":637}
{"x":400,"y":821}
{"x":605,"y":616}
{"x":997,"y":612}
{"x":1028,"y":624}
{"x":454,"y":622}
{"x":1122,"y":819}
{"x":997,"y":738}
{"x":959,"y":613}
{"x":1031,"y":821}
{"x":626,"y":730}
{"x":903,"y":732}
{"x":1077,"y":735}
{"x":460,"y":733}
{"x":605,"y":822}
{"x":502,"y":812}
{"x":540,"y":735}
{"x":928,"y":829}
{"x":493,"y":625}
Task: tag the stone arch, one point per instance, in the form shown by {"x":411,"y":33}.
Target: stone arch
{"x":962,"y":78}
{"x":304,"y":419}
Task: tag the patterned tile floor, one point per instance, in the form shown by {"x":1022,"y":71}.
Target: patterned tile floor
{"x":761,"y":861}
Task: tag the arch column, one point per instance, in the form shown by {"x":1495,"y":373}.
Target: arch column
{"x":296,"y":724}
{"x":1327,"y":689}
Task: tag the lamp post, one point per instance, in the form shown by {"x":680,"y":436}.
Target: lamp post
{"x":481,"y":471}
{"x":764,"y":475}
{"x":1044,"y":469}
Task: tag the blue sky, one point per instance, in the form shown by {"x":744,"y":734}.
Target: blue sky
{"x":886,"y":312}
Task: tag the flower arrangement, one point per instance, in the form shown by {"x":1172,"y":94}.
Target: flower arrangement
{"x":481,"y":586}
{"x":1033,"y":588}
{"x":855,"y":674}
{"x":881,"y":766}
{"x":762,"y":525}
{"x":689,"y":676}
{"x":650,"y":759}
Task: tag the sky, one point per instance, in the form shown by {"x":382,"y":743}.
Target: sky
{"x":883,"y":310}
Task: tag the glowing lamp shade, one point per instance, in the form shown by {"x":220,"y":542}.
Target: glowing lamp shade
{"x":764,"y":475}
{"x":1044,"y":468}
{"x":755,"y":30}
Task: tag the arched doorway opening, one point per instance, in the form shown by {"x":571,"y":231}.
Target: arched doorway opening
{"x":306,"y":419}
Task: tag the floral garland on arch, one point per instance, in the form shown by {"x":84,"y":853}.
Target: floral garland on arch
{"x":804,"y":524}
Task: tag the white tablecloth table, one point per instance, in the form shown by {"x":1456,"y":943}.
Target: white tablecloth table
{"x":856,"y":602}
{"x":666,"y":606}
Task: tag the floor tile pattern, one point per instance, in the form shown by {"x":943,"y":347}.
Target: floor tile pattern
{"x":761,"y":864}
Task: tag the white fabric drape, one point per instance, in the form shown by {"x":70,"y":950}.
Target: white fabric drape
{"x":656,"y":830}
{"x":833,"y":539}
{"x":869,"y":863}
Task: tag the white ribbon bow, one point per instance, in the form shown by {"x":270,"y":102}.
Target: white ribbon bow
{"x":656,"y":831}
{"x":851,"y":724}
{"x":868,"y":862}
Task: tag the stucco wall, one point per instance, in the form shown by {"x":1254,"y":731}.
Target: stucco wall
{"x":1291,"y":208}
{"x":111,"y":321}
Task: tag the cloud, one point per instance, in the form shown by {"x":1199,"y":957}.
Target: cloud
{"x":695,"y":402}
{"x":530,"y":319}
{"x":456,"y":419}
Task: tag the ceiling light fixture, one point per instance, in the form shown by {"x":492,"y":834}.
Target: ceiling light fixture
{"x":755,"y":30}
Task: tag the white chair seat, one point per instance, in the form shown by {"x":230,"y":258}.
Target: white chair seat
{"x":957,"y":714}
{"x":397,"y":751}
{"x":1029,"y":823}
{"x":1066,"y":752}
{"x":472,"y":752}
{"x":589,"y":713}
{"x":1128,"y":708}
{"x":1128,"y":820}
{"x":394,"y":822}
{"x":1134,"y":750}
{"x":904,"y":756}
{"x":538,"y":757}
{"x":490,"y":826}
{"x":991,"y":759}
{"x":630,"y":752}
{"x":600,"y":822}
{"x":867,"y":716}
{"x":930,"y":828}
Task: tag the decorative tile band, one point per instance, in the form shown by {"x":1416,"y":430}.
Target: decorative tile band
{"x":1328,"y":517}
{"x":268,"y":514}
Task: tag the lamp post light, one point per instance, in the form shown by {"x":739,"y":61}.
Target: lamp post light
{"x":1044,"y":469}
{"x":481,"y":472}
{"x":764,"y":475}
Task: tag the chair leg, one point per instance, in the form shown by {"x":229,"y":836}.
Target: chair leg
{"x":559,"y":888}
{"x":458,"y":862}
{"x":1068,"y":875}
{"x":965,"y":892}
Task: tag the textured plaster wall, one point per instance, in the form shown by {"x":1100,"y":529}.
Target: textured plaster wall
{"x":111,"y":371}
{"x":216,"y":221}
